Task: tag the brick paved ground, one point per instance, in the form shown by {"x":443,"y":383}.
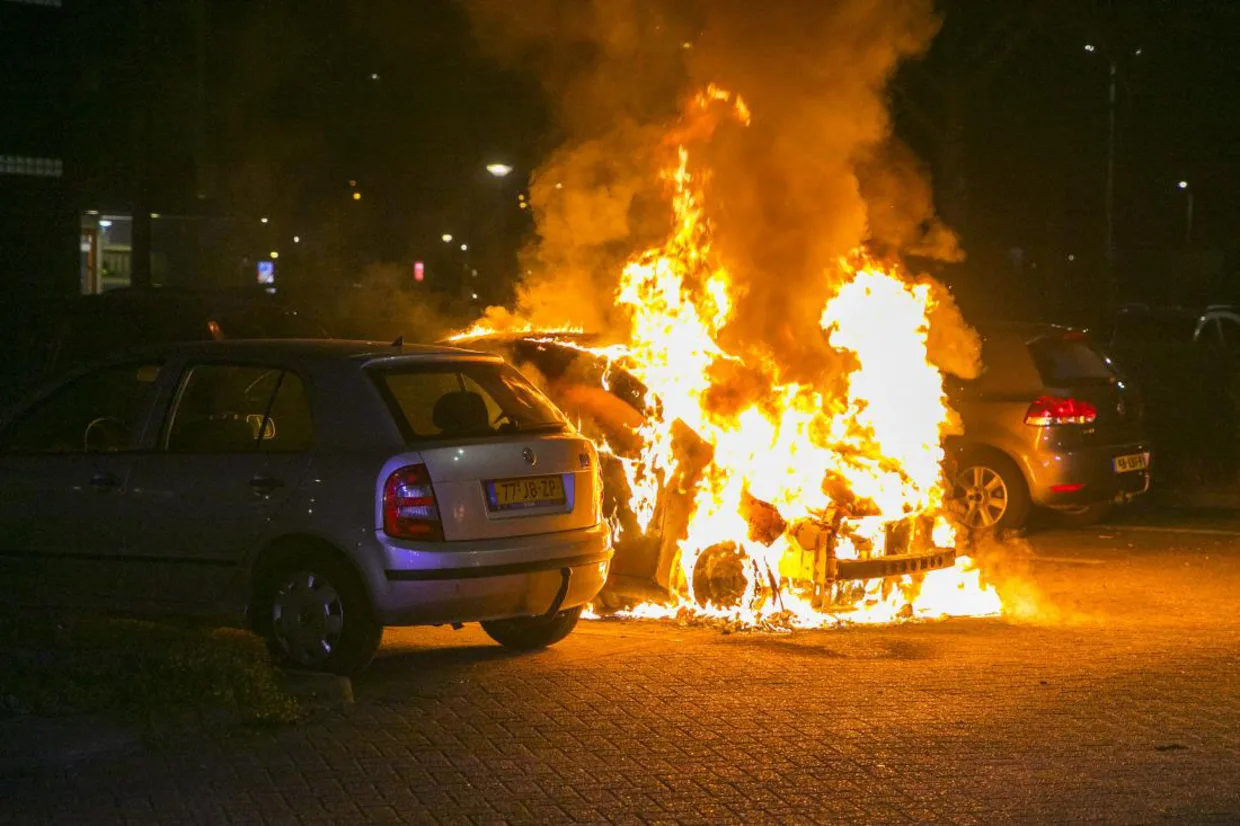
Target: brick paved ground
{"x":1126,"y":709}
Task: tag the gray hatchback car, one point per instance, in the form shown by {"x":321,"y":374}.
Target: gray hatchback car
{"x":1052,"y":423}
{"x":320,"y":489}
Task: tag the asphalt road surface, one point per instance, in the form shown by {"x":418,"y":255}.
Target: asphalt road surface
{"x":1116,"y":701}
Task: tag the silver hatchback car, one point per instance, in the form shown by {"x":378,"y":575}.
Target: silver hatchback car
{"x":320,"y":489}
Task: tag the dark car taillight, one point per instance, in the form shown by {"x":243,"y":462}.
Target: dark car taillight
{"x":1052,"y":410}
{"x":409,"y":509}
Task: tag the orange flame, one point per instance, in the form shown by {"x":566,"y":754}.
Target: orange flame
{"x":879,"y":444}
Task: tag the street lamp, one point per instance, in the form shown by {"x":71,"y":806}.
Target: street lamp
{"x":499,"y":170}
{"x":446,"y":238}
{"x":1188,"y":212}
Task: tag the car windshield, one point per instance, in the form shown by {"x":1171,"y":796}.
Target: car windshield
{"x":465,"y":399}
{"x":1064,"y":362}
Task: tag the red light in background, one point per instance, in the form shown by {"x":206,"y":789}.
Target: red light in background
{"x":419,"y":271}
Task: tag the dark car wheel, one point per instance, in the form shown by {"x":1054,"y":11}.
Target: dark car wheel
{"x":317,"y":616}
{"x":989,"y":493}
{"x":528,"y":633}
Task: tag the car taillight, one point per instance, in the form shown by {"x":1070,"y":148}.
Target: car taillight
{"x":409,"y":509}
{"x":1050,"y":410}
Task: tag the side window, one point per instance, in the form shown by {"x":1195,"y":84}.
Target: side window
{"x":229,"y":408}
{"x":102,"y":411}
{"x":288,"y":424}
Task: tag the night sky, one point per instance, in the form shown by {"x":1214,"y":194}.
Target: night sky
{"x":293,"y":114}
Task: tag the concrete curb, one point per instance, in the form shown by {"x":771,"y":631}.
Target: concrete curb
{"x":29,"y":743}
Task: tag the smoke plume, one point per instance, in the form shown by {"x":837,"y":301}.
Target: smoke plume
{"x":816,"y":174}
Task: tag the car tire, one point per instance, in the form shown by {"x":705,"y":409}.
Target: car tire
{"x":529,"y":633}
{"x":1084,"y":515}
{"x":316,"y":615}
{"x":990,"y":493}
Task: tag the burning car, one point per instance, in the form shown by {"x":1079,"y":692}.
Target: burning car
{"x":609,"y":405}
{"x":769,"y":460}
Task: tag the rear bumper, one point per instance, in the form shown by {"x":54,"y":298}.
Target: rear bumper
{"x":496,"y":579}
{"x":895,"y":564}
{"x":1086,"y":476}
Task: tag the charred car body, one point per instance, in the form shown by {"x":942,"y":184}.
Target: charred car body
{"x":607,"y":403}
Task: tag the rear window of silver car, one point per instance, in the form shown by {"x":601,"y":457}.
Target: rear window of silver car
{"x":465,"y":399}
{"x":1064,"y":362}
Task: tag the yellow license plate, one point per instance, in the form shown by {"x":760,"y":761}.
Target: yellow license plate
{"x":1136,"y":461}
{"x":526,"y":492}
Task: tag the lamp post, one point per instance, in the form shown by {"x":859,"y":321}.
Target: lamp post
{"x":1188,"y":213}
{"x":490,"y":235}
{"x":1108,"y":250}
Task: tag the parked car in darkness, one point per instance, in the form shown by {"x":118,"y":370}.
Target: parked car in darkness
{"x":41,"y":340}
{"x":1215,"y":328}
{"x":320,"y":489}
{"x":1139,"y":325}
{"x":1051,"y":423}
{"x":1219,"y":328}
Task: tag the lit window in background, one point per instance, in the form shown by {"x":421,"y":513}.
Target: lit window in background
{"x":24,"y":165}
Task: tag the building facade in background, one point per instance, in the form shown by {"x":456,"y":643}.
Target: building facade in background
{"x":106,"y":121}
{"x":39,"y":229}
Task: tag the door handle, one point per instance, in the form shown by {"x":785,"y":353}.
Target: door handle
{"x":104,"y":481}
{"x":265,"y":485}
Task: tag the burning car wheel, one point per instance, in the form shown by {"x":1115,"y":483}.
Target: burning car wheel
{"x":990,"y":493}
{"x":719,"y":576}
{"x":318,"y":617}
{"x":528,"y":633}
